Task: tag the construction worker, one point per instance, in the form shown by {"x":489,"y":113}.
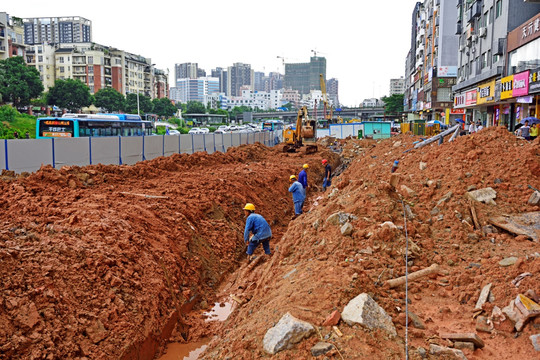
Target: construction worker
{"x":256,"y":225}
{"x":302,"y":177}
{"x":298,"y":195}
{"x":327,"y":174}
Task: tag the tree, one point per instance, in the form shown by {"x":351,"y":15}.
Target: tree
{"x":110,"y":100}
{"x":18,"y":83}
{"x":145,"y":104}
{"x":393,"y":104}
{"x":69,"y":94}
{"x":195,"y":107}
{"x":164,"y":107}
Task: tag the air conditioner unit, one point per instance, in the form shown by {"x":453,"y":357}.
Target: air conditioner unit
{"x":475,"y":38}
{"x":483,"y":32}
{"x":461,"y":48}
{"x":460,"y":79}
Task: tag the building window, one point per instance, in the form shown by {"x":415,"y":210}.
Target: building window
{"x":40,"y":68}
{"x":91,"y":60}
{"x":61,"y":69}
{"x":40,"y":58}
{"x":90,"y":69}
{"x":61,"y":59}
{"x":496,"y":58}
{"x":498,"y":8}
{"x":484,"y":60}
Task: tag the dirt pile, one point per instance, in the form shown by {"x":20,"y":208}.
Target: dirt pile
{"x":85,"y":252}
{"x":317,"y":269}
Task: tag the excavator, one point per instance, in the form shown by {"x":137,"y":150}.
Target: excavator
{"x":304,"y":133}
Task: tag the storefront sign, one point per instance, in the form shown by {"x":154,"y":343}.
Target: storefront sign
{"x":506,"y":90}
{"x":534,"y":81}
{"x":459,"y":100}
{"x":470,"y":97}
{"x":427,"y":105}
{"x":486,"y":93}
{"x":457,"y":111}
{"x":447,"y":71}
{"x":525,"y":100}
{"x":521,"y":84}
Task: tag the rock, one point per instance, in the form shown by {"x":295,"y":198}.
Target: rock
{"x":367,"y":251}
{"x":485,"y":195}
{"x":484,"y":324}
{"x":445,"y":198}
{"x":347,"y":229}
{"x":340,"y":218}
{"x":96,"y":332}
{"x":531,"y":294}
{"x":471,"y":187}
{"x":28,"y":316}
{"x":441,"y":350}
{"x":423,"y":165}
{"x":435,"y":211}
{"x":394,"y":180}
{"x":489,"y":229}
{"x":316,"y":224}
{"x":534,"y":199}
{"x":365,"y":311}
{"x":515,"y":316}
{"x":497,"y":181}
{"x":484,"y":294}
{"x":535,"y":339}
{"x":413,"y":319}
{"x":464,"y":345}
{"x":287,"y":332}
{"x":527,"y":307}
{"x":408,"y":190}
{"x":508,"y":261}
{"x":289,"y":273}
{"x":397,"y":144}
{"x":332,"y":319}
{"x":389,"y":224}
{"x":466,"y":337}
{"x":408,"y":212}
{"x":422,"y":352}
{"x":321,"y":348}
{"x":333,"y":219}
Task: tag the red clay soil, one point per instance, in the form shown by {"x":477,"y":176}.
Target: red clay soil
{"x":316,"y":269}
{"x":86,"y":253}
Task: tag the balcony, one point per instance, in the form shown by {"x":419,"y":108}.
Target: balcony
{"x":459,"y":28}
{"x":419,"y":49}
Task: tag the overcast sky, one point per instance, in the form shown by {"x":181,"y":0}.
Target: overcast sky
{"x":365,"y":42}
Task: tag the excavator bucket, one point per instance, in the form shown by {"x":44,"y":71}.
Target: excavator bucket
{"x":311,"y":149}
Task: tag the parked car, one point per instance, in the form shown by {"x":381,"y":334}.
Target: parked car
{"x":204,"y":130}
{"x":223,"y":127}
{"x":219,"y":131}
{"x":233,"y":128}
{"x":195,"y":130}
{"x":174,"y":132}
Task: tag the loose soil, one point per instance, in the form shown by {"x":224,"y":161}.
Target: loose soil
{"x":85,"y":259}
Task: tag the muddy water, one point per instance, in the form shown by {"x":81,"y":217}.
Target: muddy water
{"x":191,"y":351}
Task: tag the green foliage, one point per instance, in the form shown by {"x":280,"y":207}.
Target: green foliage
{"x":164,"y":107}
{"x":12,"y":121}
{"x":393,"y":104}
{"x":212,"y":128}
{"x":237,"y":110}
{"x":69,"y":94}
{"x":145,"y":104}
{"x":195,"y":107}
{"x":19,"y":83}
{"x":110,"y":100}
{"x":182,"y":107}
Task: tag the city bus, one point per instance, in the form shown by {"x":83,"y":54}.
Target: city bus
{"x":273,"y":125}
{"x":84,"y":125}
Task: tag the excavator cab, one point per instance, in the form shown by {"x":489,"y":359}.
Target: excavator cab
{"x":306,"y":131}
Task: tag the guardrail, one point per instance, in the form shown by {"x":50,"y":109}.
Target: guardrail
{"x":29,"y":155}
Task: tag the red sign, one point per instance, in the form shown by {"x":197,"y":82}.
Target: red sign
{"x":457,"y":111}
{"x":470,"y":97}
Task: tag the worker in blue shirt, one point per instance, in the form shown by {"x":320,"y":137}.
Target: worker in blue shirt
{"x":256,"y":225}
{"x":302,"y":178}
{"x":298,"y":195}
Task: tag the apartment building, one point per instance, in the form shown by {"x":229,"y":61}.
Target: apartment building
{"x":221,"y":74}
{"x":186,"y":71}
{"x":57,"y":30}
{"x":496,"y":56}
{"x":431,"y":65}
{"x":196,"y":89}
{"x":332,"y":89}
{"x":397,"y":86}
{"x":11,"y":37}
{"x":239,"y":75}
{"x":260,"y":100}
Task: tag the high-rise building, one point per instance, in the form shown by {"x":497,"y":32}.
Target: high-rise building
{"x":238,"y":75}
{"x":397,"y":86}
{"x":57,"y":30}
{"x":305,"y":77}
{"x":332,"y":89}
{"x":431,"y":64}
{"x":258,"y":81}
{"x":273,"y":82}
{"x":186,"y":70}
{"x":498,"y":46}
{"x":221,"y":74}
{"x":196,"y":89}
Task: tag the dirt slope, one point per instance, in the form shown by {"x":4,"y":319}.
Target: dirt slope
{"x":84,"y":258}
{"x":317,"y":270}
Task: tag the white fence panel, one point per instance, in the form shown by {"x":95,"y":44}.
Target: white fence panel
{"x":171,"y":144}
{"x":236,"y":139}
{"x":323,"y":132}
{"x":218,"y":142}
{"x":3,"y":147}
{"x":209,"y":143}
{"x":186,"y":144}
{"x":71,"y":151}
{"x":105,"y":150}
{"x":198,"y":142}
{"x":132,"y":149}
{"x":153,"y":147}
{"x":227,"y":140}
{"x":29,"y":155}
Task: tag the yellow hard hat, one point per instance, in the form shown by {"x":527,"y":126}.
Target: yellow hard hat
{"x":292,"y":177}
{"x":250,"y":207}
{"x":305,"y":166}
